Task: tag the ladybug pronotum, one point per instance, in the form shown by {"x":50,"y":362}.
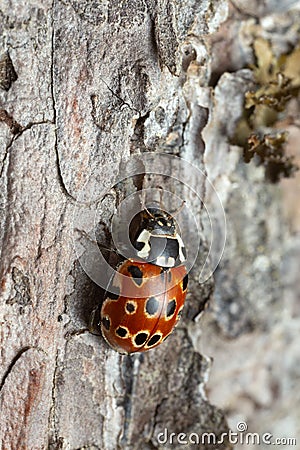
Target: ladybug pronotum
{"x":140,"y":320}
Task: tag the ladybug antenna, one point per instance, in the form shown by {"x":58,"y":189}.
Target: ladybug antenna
{"x":161,"y":193}
{"x":85,"y":235}
{"x":179,"y":209}
{"x":143,"y":203}
{"x":149,"y":212}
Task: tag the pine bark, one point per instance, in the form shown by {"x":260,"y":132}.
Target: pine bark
{"x":85,"y":86}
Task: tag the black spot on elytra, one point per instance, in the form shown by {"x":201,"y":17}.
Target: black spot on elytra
{"x":169,"y":276}
{"x":106,"y":323}
{"x":112,"y":295}
{"x":185,"y":282}
{"x":122,"y":332}
{"x":136,"y":273}
{"x":152,"y":306}
{"x":130,"y":307}
{"x":171,"y":308}
{"x":140,"y":338}
{"x":154,"y":340}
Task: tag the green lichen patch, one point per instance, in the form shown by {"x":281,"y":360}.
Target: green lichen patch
{"x":277,"y":82}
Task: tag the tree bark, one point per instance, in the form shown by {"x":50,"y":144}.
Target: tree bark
{"x":85,"y":88}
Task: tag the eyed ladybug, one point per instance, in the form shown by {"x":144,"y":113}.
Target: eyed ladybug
{"x":141,"y":319}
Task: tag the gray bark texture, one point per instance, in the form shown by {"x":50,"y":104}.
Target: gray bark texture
{"x":85,"y":86}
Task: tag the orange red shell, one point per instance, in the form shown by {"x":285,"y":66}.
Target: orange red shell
{"x":140,"y":321}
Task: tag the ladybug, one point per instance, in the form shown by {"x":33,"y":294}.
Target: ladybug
{"x":135,"y":318}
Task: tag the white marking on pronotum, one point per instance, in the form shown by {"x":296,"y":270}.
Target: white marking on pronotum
{"x":144,"y":238}
{"x":181,"y":246}
{"x":163,"y":261}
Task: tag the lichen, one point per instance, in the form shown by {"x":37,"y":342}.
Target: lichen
{"x":277,"y":81}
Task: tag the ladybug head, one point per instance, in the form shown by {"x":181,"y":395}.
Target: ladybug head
{"x":157,"y":240}
{"x":159,"y":222}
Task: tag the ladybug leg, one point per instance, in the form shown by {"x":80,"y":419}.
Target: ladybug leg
{"x":85,"y":235}
{"x":94,"y":322}
{"x":143,"y":197}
